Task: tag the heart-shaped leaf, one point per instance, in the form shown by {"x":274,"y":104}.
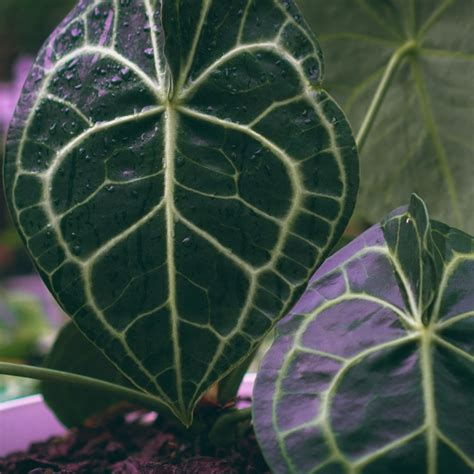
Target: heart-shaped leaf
{"x":372,"y":371}
{"x":422,"y":138}
{"x":177,"y":173}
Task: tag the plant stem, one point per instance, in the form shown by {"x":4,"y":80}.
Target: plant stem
{"x":50,"y":375}
{"x":381,"y":91}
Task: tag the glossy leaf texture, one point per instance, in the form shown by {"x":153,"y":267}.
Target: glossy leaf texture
{"x":422,"y":138}
{"x":177,"y":173}
{"x":371,"y":372}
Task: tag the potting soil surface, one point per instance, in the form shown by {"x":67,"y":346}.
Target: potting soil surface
{"x":137,"y":443}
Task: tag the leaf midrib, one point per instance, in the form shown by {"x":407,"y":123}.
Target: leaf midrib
{"x":433,"y":131}
{"x":427,"y":377}
{"x":171,"y":124}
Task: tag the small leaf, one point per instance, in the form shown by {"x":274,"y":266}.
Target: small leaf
{"x":177,"y":173}
{"x":72,"y":352}
{"x":422,"y":138}
{"x":417,"y":263}
{"x":357,"y":380}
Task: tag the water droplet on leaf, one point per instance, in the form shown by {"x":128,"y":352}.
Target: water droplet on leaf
{"x":76,"y":32}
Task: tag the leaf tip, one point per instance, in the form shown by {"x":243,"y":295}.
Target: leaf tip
{"x":418,"y":207}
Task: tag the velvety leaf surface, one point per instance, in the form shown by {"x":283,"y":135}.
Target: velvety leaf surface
{"x":370,"y":372}
{"x":177,"y":173}
{"x":422,"y":140}
{"x":72,"y":352}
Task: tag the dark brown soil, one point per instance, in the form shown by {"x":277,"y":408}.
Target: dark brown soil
{"x":137,"y":443}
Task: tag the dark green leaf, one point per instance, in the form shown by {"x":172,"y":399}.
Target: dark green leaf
{"x":177,"y":173}
{"x":422,"y":140}
{"x":72,"y":352}
{"x":360,"y":378}
{"x":229,"y":386}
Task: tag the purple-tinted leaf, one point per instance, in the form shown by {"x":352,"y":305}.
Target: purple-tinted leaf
{"x":372,"y":370}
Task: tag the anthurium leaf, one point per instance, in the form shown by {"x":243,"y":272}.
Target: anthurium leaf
{"x":422,"y":138}
{"x":177,"y":173}
{"x":361,"y":381}
{"x":72,"y":352}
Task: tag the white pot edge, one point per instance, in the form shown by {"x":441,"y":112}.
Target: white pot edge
{"x":25,"y":421}
{"x":28,"y":420}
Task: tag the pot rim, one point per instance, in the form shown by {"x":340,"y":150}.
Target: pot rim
{"x":28,"y":420}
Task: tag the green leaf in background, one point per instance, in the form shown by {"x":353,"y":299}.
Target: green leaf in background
{"x":422,"y":138}
{"x":12,"y":387}
{"x":9,"y":238}
{"x":24,"y":326}
{"x":72,"y":352}
{"x":24,"y":334}
{"x":371,"y":373}
{"x":177,"y":174}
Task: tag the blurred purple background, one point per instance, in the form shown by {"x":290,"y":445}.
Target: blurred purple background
{"x":29,"y":316}
{"x":9,"y":95}
{"x":10,"y":91}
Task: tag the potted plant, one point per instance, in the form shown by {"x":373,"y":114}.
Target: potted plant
{"x":178,"y":173}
